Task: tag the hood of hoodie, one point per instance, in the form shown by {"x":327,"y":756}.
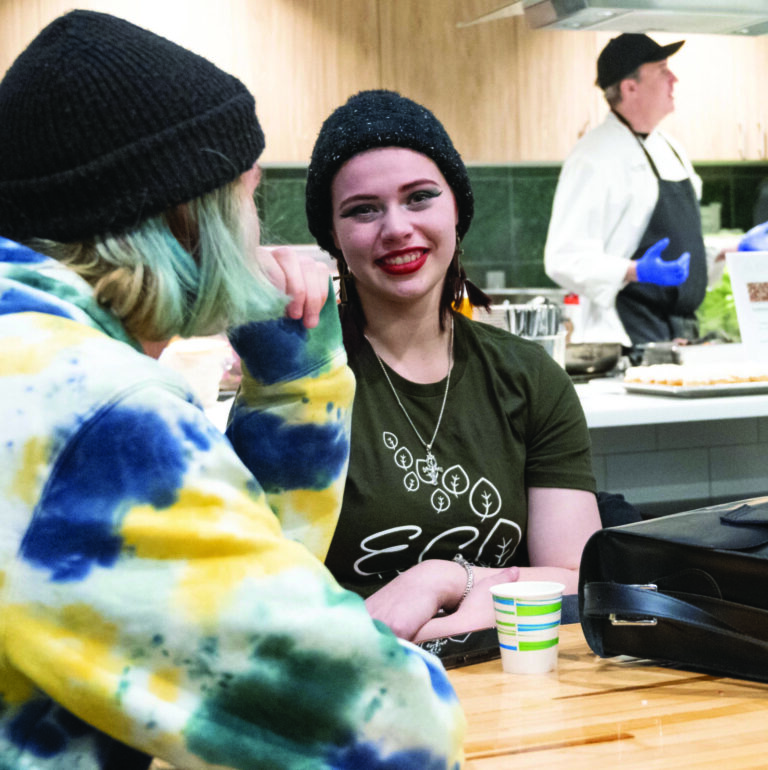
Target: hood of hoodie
{"x":33,"y":283}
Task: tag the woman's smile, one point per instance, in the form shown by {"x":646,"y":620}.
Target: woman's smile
{"x":403,"y":262}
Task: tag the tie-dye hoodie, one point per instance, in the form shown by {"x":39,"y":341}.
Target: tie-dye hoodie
{"x":148,"y":594}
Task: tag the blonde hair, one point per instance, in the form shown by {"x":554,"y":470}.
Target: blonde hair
{"x":187,"y":272}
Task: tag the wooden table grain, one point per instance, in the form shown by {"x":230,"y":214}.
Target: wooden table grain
{"x":610,"y":713}
{"x":600,"y":714}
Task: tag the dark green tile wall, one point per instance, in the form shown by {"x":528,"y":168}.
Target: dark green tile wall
{"x":737,"y":187}
{"x":280,"y":200}
{"x":512,"y":208}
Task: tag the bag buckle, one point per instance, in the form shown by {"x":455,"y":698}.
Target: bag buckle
{"x":617,"y":621}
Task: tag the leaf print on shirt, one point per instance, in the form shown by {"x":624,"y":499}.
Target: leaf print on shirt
{"x":456,"y":480}
{"x":500,"y":545}
{"x":485,"y":499}
{"x":411,"y":481}
{"x":403,"y":458}
{"x":440,"y":500}
{"x":390,"y":440}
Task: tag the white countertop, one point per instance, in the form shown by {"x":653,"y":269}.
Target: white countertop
{"x":607,"y":404}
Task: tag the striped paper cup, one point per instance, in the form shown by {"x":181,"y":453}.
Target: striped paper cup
{"x":528,"y":624}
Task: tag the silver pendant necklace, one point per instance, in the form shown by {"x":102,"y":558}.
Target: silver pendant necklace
{"x":432,"y":468}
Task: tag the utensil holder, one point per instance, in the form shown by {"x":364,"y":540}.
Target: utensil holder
{"x":554,"y":344}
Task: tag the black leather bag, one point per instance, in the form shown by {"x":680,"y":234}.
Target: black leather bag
{"x":689,"y":590}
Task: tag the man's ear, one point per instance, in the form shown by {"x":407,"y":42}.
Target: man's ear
{"x":628,"y":86}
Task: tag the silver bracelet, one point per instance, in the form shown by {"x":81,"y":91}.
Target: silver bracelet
{"x":459,"y":559}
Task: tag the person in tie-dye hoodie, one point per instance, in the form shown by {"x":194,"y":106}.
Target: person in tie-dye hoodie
{"x":159,"y":596}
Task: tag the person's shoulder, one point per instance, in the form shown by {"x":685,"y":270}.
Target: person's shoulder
{"x":488,"y":337}
{"x":482,"y":330}
{"x":514,"y":359}
{"x":609,"y":131}
{"x":596,"y":155}
{"x":659,"y":136}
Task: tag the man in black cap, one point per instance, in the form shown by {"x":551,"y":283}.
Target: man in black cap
{"x":625,"y":232}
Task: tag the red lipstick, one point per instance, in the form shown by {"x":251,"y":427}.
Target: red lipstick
{"x":403,"y":262}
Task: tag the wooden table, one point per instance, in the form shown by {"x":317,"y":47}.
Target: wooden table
{"x":602,"y":714}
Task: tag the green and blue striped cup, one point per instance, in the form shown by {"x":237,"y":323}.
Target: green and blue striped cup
{"x":528,"y":624}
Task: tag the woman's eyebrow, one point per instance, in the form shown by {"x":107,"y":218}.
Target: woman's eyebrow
{"x":356,"y":198}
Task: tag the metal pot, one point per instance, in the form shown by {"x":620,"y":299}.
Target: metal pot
{"x":659,"y":353}
{"x":591,"y":357}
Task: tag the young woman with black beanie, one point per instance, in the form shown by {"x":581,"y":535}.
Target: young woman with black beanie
{"x":469,"y":444}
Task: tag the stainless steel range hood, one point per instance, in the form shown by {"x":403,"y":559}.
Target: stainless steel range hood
{"x":721,"y":17}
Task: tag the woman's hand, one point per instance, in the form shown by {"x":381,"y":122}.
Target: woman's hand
{"x":476,"y":611}
{"x":303,"y":279}
{"x":409,"y":603}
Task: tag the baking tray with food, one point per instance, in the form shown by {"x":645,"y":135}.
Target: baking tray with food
{"x":697,"y":381}
{"x":698,"y":391}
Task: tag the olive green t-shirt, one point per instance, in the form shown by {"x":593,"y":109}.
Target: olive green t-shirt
{"x":512,"y":420}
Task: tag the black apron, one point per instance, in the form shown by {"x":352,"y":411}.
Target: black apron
{"x":652,"y":313}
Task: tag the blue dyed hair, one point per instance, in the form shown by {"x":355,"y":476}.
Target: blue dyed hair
{"x":187,"y":272}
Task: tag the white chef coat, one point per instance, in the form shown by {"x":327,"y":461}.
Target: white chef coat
{"x":604,"y":200}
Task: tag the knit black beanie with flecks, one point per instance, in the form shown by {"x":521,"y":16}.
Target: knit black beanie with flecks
{"x":379,"y":118}
{"x":103,"y":124}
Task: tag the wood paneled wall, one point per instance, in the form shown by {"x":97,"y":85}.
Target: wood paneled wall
{"x":504,"y":92}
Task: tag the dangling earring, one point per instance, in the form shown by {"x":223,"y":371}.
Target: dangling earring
{"x":466,"y":295}
{"x":459,"y":276}
{"x":345,"y":279}
{"x":459,"y":252}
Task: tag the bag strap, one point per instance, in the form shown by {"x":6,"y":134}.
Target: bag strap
{"x":737,"y":622}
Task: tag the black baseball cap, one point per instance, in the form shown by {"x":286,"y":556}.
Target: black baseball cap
{"x":625,"y":53}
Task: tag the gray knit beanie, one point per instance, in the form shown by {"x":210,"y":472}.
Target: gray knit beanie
{"x":379,"y":118}
{"x":105,"y":124}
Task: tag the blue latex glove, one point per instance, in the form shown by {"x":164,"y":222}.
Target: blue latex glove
{"x":651,"y":268}
{"x":755,"y":239}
